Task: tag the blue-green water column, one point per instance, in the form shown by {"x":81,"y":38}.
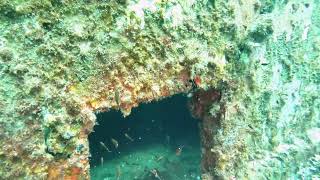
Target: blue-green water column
{"x":164,"y":126}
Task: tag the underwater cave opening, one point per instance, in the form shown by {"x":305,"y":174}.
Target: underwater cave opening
{"x":158,"y":140}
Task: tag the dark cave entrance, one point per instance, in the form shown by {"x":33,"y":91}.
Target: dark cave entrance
{"x":157,"y":139}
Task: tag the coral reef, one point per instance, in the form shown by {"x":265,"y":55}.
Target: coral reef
{"x":61,"y":61}
{"x":261,"y":126}
{"x":251,"y":66}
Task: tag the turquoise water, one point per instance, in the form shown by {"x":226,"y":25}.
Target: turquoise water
{"x":148,"y":143}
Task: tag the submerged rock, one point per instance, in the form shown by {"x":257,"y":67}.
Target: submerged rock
{"x":63,"y":61}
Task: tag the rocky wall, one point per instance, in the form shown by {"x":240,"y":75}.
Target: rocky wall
{"x":61,"y":61}
{"x":266,"y":123}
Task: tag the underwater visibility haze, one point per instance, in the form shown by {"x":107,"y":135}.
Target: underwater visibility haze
{"x":156,"y":139}
{"x":159,"y":89}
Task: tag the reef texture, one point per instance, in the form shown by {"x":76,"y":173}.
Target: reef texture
{"x":265,"y":123}
{"x":252,"y":67}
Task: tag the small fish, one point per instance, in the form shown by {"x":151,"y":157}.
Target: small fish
{"x":104,"y":146}
{"x":179,"y":150}
{"x":155,"y":174}
{"x":128,"y":137}
{"x":101,"y":160}
{"x":167,"y":140}
{"x":115,"y":143}
{"x":159,"y":158}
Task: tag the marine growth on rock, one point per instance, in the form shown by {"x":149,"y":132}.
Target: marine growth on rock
{"x":250,"y":69}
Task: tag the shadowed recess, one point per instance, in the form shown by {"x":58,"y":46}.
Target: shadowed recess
{"x":158,"y":140}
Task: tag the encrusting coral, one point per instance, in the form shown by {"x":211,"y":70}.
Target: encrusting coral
{"x":251,"y":66}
